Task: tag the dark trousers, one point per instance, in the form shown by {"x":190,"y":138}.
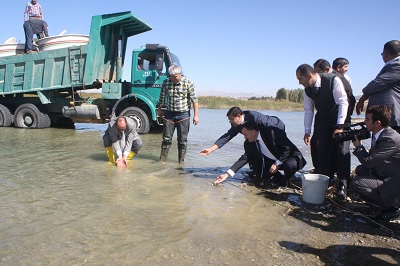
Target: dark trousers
{"x":341,"y":163}
{"x":180,"y":121}
{"x":31,"y":27}
{"x":367,"y":186}
{"x":261,"y":165}
{"x":328,"y":156}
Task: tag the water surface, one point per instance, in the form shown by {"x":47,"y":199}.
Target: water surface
{"x":62,"y":203}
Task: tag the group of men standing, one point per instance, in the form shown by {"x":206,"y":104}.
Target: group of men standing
{"x":267,"y":149}
{"x":377,"y":179}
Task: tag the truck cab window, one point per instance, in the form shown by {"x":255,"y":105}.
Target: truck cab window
{"x":148,"y":62}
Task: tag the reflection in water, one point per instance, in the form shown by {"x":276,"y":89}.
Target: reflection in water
{"x":64,"y":204}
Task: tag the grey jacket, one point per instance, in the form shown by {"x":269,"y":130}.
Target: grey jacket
{"x":384,"y":163}
{"x":385,"y":90}
{"x":130,"y":135}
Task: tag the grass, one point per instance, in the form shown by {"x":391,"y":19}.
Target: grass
{"x":215,"y":102}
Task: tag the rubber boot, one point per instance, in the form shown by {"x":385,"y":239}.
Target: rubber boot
{"x":181,"y":157}
{"x":130,"y":155}
{"x":110,"y":154}
{"x":163,"y":156}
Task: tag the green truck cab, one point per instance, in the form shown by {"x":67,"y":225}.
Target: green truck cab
{"x":149,"y":70}
{"x":43,"y":89}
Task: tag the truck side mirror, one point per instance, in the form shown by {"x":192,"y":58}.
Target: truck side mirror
{"x":160,"y":63}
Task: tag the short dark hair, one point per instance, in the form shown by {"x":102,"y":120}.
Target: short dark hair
{"x":382,"y":113}
{"x":305,"y":70}
{"x":322,"y":64}
{"x":392,"y":47}
{"x":234,"y":111}
{"x":339,"y":62}
{"x":251,"y":126}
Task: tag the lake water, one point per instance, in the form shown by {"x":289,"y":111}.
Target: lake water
{"x":62,"y":203}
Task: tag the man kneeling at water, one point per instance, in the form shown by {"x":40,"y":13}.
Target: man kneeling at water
{"x":268,"y":150}
{"x":121,"y":140}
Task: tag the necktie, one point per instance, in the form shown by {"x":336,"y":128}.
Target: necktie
{"x":373,"y":142}
{"x":262,"y":156}
{"x":122,"y":140}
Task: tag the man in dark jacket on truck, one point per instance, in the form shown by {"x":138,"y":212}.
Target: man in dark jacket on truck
{"x":34,"y":24}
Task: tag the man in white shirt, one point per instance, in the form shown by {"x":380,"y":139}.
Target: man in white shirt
{"x":341,"y":65}
{"x":325,"y":92}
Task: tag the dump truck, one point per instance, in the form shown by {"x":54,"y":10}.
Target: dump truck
{"x":44,"y":88}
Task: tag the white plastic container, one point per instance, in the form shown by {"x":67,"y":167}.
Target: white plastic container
{"x":61,"y":41}
{"x":314,"y":188}
{"x":12,"y":49}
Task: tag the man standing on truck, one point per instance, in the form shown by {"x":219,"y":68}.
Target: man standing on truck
{"x":177,"y":93}
{"x":34,"y":24}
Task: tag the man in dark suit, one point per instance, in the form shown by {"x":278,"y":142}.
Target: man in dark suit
{"x":325,"y":93}
{"x":268,"y":149}
{"x":385,"y":88}
{"x":377,"y":179}
{"x":237,"y":118}
{"x":340,"y":151}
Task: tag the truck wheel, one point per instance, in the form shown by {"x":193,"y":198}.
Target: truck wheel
{"x":140,"y":117}
{"x":28,"y":116}
{"x":45,"y":122}
{"x":5,"y":116}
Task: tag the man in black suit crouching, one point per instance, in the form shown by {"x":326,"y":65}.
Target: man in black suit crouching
{"x":268,"y":150}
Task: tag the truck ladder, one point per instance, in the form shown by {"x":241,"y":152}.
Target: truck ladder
{"x":76,"y":71}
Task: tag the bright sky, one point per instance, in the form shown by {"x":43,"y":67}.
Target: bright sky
{"x":233,"y":46}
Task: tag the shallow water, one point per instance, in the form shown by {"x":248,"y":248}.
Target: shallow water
{"x":62,"y":203}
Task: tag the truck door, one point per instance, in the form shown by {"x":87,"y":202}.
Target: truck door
{"x":150,"y":66}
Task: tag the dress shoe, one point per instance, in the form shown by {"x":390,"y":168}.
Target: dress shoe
{"x":274,"y":180}
{"x":283,"y":181}
{"x":342,"y":193}
{"x":387,"y":214}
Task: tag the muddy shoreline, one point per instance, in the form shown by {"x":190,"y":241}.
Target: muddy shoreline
{"x":333,"y":233}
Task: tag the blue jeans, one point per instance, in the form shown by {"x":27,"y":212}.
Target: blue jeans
{"x":34,"y":26}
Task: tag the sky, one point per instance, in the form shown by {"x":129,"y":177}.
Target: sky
{"x":237,"y":47}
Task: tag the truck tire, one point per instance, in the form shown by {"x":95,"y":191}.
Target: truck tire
{"x":143,"y":124}
{"x":5,"y":116}
{"x":45,"y":121}
{"x":28,"y":116}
